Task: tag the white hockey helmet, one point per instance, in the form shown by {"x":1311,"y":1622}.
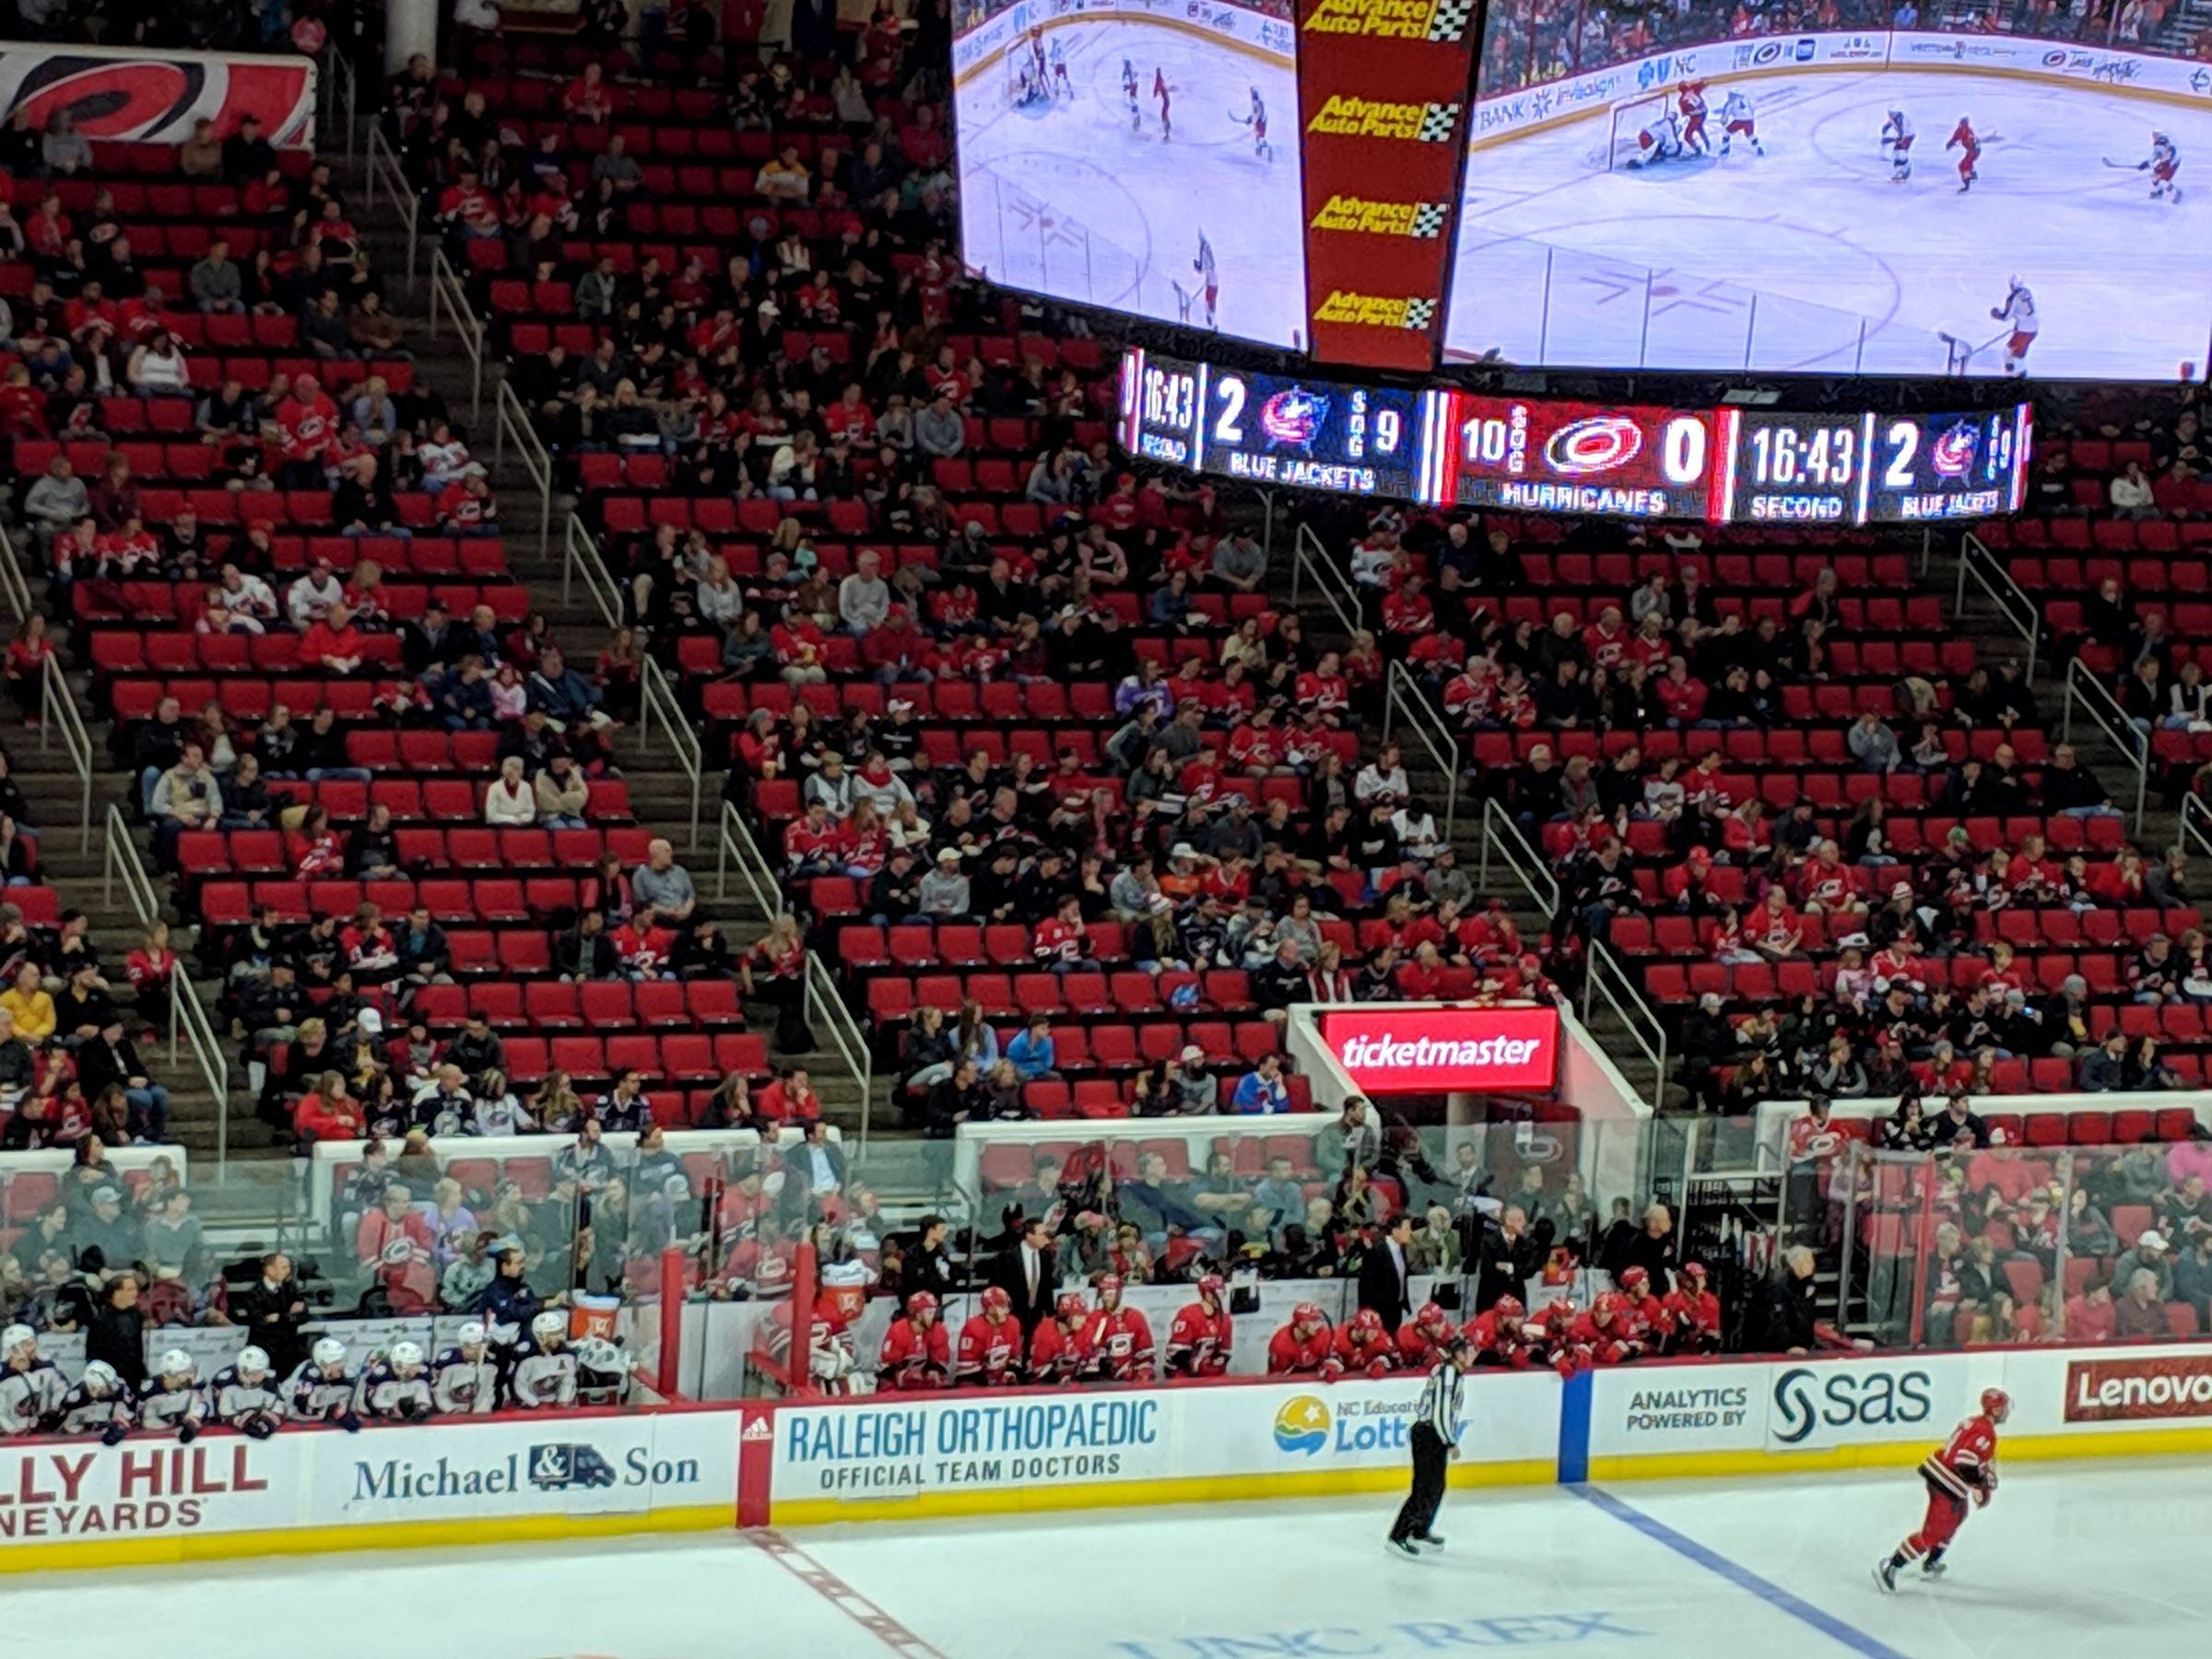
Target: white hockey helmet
{"x":176,"y":1364}
{"x":101,"y":1380}
{"x":15,"y":1337}
{"x":405,"y":1357}
{"x":597,"y":1354}
{"x":329,"y":1351}
{"x":549,"y":1328}
{"x":252,"y":1362}
{"x":471,"y":1335}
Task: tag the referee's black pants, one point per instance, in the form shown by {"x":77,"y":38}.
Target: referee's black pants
{"x":1429,"y":1460}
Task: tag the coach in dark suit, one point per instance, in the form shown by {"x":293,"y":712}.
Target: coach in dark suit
{"x":1386,"y":1274}
{"x":1027,"y":1272}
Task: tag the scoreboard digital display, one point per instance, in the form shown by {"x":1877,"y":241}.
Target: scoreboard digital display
{"x":1442,"y":447}
{"x":1267,"y":429}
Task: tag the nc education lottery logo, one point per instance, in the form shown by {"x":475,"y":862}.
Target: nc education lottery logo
{"x":1307,"y":1426}
{"x":1302,"y":1425}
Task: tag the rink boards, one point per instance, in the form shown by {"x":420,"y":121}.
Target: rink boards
{"x":521,"y":1476}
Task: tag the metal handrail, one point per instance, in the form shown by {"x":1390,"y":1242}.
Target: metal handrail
{"x":58,"y":713}
{"x":1603,"y":976}
{"x":15,"y":585}
{"x":186,"y":1014}
{"x":826,"y":1002}
{"x":513,"y":423}
{"x":582,"y":555}
{"x":2102,"y":707}
{"x":447,"y":294}
{"x":1991,"y":576}
{"x":1402,"y":694}
{"x":658,"y":701}
{"x":1309,"y":558}
{"x":1519,"y":857}
{"x":386,"y":171}
{"x":736,"y":845}
{"x":346,"y":92}
{"x":2193,"y":808}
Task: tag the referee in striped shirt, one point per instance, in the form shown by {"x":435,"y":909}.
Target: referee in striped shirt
{"x":1435,"y":1439}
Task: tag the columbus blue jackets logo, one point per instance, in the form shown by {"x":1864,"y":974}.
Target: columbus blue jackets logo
{"x":1953,"y":455}
{"x":556,"y":1468}
{"x":1294,"y":418}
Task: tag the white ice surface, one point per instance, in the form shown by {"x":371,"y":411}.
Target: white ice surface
{"x":2070,"y":1560}
{"x":1809,"y":258}
{"x":1069,"y":199}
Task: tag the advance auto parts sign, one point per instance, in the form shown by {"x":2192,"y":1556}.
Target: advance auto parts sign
{"x":1382,"y":102}
{"x":1435,"y":1049}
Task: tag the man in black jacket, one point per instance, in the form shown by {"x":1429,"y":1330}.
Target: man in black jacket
{"x":1386,"y":1273}
{"x":1025,"y":1271}
{"x":476,"y":1050}
{"x":111,"y":1061}
{"x":1790,"y":1296}
{"x":1505,"y":1256}
{"x":270,"y":1312}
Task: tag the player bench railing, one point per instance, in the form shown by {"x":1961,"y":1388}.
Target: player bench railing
{"x":2099,"y":709}
{"x":1988,"y":573}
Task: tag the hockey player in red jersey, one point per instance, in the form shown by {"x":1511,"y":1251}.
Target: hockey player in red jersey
{"x":1500,"y":1335}
{"x":1364,"y":1343}
{"x":916,"y":1356}
{"x":1198,"y":1340}
{"x":1119,"y":1337}
{"x":1966,"y":1468}
{"x":1970,"y":148}
{"x":1694,"y":1314}
{"x":990,"y":1355}
{"x":1561,"y":1349}
{"x":1304,"y":1347}
{"x":1610,"y":1333}
{"x":1159,"y":90}
{"x":1648,"y":1309}
{"x":1060,"y":1347}
{"x":1691,"y":99}
{"x":1421,"y":1339}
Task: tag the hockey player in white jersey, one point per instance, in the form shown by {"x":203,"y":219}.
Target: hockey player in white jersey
{"x":31,"y":1389}
{"x":324,"y":1389}
{"x":172,"y":1397}
{"x":2019,"y":310}
{"x":395,"y":1387}
{"x":1060,"y":82}
{"x":1661,"y":141}
{"x":1132,"y":89}
{"x":543,"y":1373}
{"x":1256,"y":117}
{"x":602,"y":1373}
{"x":245,"y":1395}
{"x":1737,"y":121}
{"x":98,"y":1403}
{"x":2165,"y":162}
{"x":1209,"y":279}
{"x":465,"y":1380}
{"x":1897,"y":143}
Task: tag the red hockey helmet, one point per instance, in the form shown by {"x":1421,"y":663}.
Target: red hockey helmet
{"x":1109,"y":1285}
{"x":1306,"y":1313}
{"x":1071,"y":1305}
{"x":1694,"y":1272}
{"x":1635,"y":1280}
{"x":918,"y":1303}
{"x":1509,"y":1306}
{"x":1996,"y":1405}
{"x":1366,"y":1319}
{"x":996,"y":1300}
{"x":1561,"y":1313}
{"x":1431,"y":1317}
{"x":1212,"y":1284}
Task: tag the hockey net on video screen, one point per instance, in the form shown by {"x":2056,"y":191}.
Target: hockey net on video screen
{"x":1626,"y":125}
{"x":1019,"y":239}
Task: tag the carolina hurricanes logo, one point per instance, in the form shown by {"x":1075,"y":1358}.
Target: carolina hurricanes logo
{"x":1601,"y":443}
{"x":1294,"y":418}
{"x":1953,"y":455}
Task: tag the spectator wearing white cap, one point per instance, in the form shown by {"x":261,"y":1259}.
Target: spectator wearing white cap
{"x":1196,"y":1092}
{"x":2148,"y":1255}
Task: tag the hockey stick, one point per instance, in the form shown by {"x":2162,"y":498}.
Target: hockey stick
{"x":2130,"y":166}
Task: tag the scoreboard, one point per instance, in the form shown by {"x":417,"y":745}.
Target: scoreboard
{"x":1440,"y":446}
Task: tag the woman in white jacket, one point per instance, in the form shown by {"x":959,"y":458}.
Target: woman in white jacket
{"x":509,"y":801}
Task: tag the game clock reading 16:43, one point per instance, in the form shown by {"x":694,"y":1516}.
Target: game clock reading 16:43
{"x":1867,"y":468}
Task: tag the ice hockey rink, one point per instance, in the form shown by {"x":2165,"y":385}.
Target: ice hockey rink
{"x":1066,"y":198}
{"x":1809,"y":258}
{"x":2068,"y":1558}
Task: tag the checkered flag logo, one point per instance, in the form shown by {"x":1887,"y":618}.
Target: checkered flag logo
{"x":1429,"y":219}
{"x":1449,"y":20}
{"x":1419,"y":314}
{"x":1438,"y":122}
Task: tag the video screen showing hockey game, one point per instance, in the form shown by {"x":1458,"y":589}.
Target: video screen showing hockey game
{"x":1657,"y":189}
{"x":1135,"y":154}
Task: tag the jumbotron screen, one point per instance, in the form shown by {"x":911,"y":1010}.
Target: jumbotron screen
{"x":1656,"y":195}
{"x":1135,"y":156}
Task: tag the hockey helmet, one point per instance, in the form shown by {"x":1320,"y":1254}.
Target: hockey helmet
{"x":1561,"y":1313}
{"x":252,"y":1362}
{"x":921,"y":1303}
{"x":329,"y":1351}
{"x":1306,"y":1313}
{"x":101,"y":1380}
{"x":1431,"y":1317}
{"x":406,"y":1358}
{"x":1366,"y":1319}
{"x":1996,"y":1405}
{"x":1109,"y":1285}
{"x":17,"y":1338}
{"x":1635,"y":1280}
{"x":1509,"y":1306}
{"x":1213,"y":1285}
{"x":549,"y":1328}
{"x":1071,"y":1305}
{"x":996,"y":1302}
{"x":176,"y":1364}
{"x":470,"y":1335}
{"x":1694,"y":1272}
